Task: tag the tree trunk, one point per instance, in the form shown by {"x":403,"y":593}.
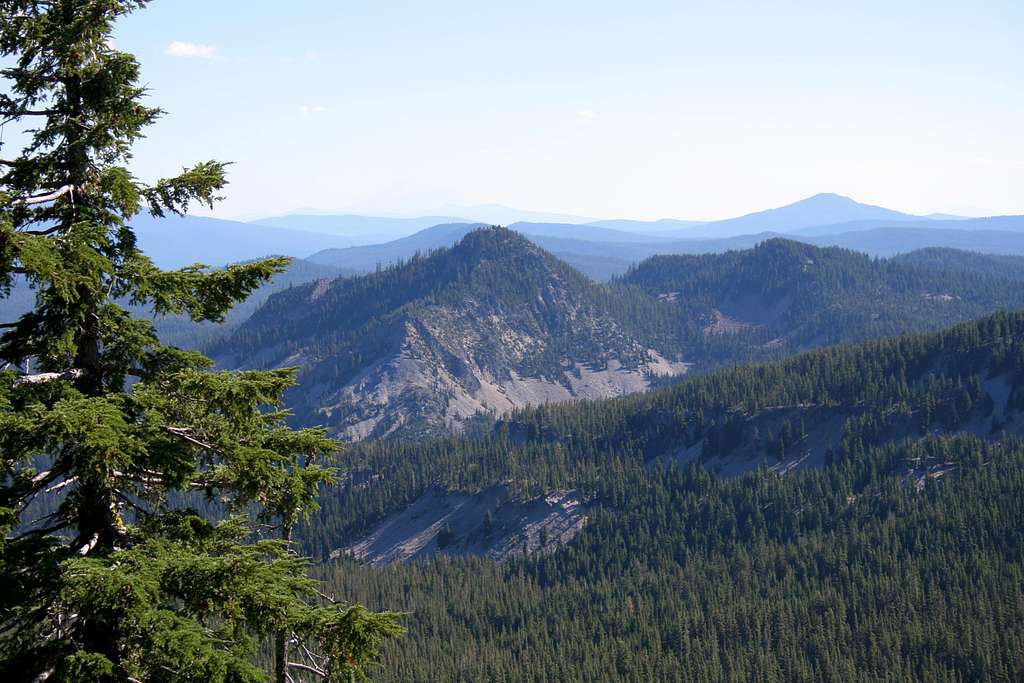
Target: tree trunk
{"x":281,"y":636}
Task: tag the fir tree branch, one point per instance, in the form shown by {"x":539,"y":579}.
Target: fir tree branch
{"x":43,"y":233}
{"x":41,"y":532}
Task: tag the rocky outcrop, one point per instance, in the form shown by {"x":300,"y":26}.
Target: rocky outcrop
{"x":484,"y":523}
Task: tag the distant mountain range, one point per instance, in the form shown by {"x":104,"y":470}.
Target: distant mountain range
{"x":614,"y":251}
{"x":176,"y":241}
{"x":495,"y":214}
{"x":821,"y":209}
{"x":601,"y":249}
{"x":358,"y":229}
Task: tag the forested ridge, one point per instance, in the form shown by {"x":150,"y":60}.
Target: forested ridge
{"x":784,"y":296}
{"x":946,"y":259}
{"x":418,"y":349}
{"x":494,"y":267}
{"x":813,"y":296}
{"x":822,"y":406}
{"x":898,"y":558}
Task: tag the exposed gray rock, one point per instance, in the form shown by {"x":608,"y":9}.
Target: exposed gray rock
{"x":457,"y":524}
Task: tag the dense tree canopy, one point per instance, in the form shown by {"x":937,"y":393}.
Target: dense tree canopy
{"x":116,"y":583}
{"x":847,"y":573}
{"x":900,"y":558}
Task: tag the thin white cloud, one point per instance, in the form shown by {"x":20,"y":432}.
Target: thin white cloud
{"x":312,"y":56}
{"x":588,"y":114}
{"x":312,"y":109}
{"x":194,"y":50}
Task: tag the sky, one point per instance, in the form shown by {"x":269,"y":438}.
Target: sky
{"x":643,"y":109}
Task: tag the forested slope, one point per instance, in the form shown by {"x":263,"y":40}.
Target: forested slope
{"x":956,"y":260}
{"x":492,"y":324}
{"x":823,"y":407}
{"x":789,"y":296}
{"x":897,"y":557}
{"x":841,"y":574}
{"x":495,"y":323}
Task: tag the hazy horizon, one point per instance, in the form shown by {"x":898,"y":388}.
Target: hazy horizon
{"x":669,"y":110}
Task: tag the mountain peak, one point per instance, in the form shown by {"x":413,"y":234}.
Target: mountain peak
{"x":827,"y":197}
{"x":825,"y":208}
{"x":490,"y":324}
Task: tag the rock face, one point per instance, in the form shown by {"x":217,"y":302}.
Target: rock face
{"x":484,"y":523}
{"x":492,"y":324}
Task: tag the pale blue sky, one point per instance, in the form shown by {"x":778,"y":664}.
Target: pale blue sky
{"x":625,"y":109}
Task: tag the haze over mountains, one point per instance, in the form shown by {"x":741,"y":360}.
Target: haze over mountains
{"x":599,"y":248}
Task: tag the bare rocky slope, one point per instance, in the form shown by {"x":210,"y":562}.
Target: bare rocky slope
{"x":496,"y":323}
{"x":420,"y":348}
{"x":545,"y":468}
{"x":486,"y":522}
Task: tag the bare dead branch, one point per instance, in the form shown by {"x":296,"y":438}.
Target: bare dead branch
{"x":43,"y":233}
{"x":135,"y":506}
{"x":13,"y":114}
{"x":149,"y":478}
{"x":87,"y":547}
{"x":58,"y":487}
{"x":44,"y":198}
{"x":319,"y":661}
{"x":186,"y":434}
{"x":42,"y":378}
{"x":310,"y":669}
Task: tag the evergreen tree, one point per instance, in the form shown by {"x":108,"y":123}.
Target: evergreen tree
{"x":119,"y":439}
